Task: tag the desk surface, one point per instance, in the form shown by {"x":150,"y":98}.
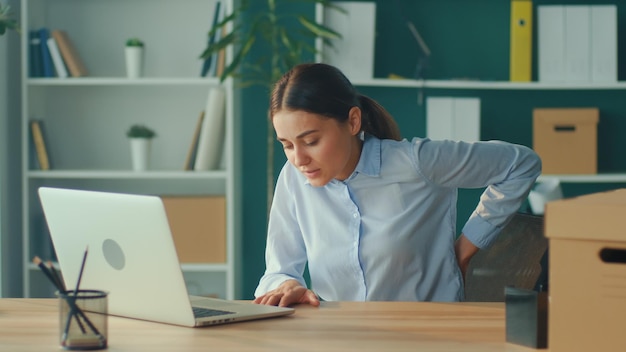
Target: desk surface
{"x":32,"y":325}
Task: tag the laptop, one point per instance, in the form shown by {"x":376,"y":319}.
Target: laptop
{"x":131,"y":255}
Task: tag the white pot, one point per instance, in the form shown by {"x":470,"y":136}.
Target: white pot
{"x":134,"y":61}
{"x":140,"y":153}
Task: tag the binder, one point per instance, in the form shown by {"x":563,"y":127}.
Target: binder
{"x":551,"y":46}
{"x":439,"y":117}
{"x":451,"y":118}
{"x":353,"y":53}
{"x":35,"y":55}
{"x":603,"y":43}
{"x":577,"y":46}
{"x":48,"y":69}
{"x":521,"y":40}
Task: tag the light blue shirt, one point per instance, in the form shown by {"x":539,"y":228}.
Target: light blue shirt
{"x":387,"y":232}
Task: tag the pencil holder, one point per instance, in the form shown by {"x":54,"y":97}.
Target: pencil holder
{"x":83,"y":319}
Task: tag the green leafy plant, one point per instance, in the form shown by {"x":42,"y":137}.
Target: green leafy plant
{"x":134,"y":42}
{"x":285,"y":36}
{"x":140,"y":131}
{"x":6,"y":22}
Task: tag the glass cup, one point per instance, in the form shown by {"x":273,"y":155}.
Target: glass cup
{"x":83,"y":319}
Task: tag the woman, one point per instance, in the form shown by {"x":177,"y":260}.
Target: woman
{"x":372,"y":215}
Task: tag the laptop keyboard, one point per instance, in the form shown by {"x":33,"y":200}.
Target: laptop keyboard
{"x":200,"y":312}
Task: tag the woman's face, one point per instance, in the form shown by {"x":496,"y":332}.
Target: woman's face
{"x":321,"y":148}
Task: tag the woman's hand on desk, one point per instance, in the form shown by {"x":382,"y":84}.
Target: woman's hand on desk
{"x":288,"y":293}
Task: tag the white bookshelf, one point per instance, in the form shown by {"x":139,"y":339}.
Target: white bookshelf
{"x":85,"y":118}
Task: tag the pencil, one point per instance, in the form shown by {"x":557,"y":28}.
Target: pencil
{"x":75,"y":310}
{"x":82,"y":267}
{"x":46,"y":272}
{"x":56,"y":276}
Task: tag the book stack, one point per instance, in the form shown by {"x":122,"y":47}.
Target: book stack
{"x":577,"y":43}
{"x":52,"y":54}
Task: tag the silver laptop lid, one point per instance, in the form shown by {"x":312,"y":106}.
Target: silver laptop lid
{"x":131,"y":251}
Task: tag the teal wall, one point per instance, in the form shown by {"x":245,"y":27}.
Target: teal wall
{"x":468,"y":39}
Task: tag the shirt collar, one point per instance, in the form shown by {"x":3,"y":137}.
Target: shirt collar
{"x":369,"y":162}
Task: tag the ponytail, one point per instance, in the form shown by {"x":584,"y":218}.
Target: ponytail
{"x":376,"y":120}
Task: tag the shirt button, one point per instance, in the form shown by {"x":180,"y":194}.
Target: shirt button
{"x":355,"y":215}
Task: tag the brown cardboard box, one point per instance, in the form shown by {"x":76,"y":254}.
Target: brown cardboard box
{"x":566,"y":140}
{"x":198,"y":226}
{"x":587,"y":273}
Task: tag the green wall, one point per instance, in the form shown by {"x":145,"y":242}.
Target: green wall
{"x":468,"y":39}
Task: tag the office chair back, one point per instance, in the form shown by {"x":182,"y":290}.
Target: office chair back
{"x":517,"y":258}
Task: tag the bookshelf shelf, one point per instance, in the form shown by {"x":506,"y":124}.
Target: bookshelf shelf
{"x":123,"y":81}
{"x":85,"y":120}
{"x":123,"y":174}
{"x":466,"y":84}
{"x":597,"y":178}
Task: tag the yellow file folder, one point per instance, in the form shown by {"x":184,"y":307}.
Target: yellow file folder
{"x":521,"y":40}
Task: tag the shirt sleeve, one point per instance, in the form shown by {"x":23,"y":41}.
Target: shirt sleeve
{"x":507,"y":171}
{"x":285,"y":252}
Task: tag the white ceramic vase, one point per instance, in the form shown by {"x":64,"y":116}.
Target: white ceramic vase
{"x":134,"y":61}
{"x":140,"y":153}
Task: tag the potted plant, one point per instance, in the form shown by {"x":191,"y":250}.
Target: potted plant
{"x":6,"y":22}
{"x":140,"y":137}
{"x":289,"y":36}
{"x":134,"y":57}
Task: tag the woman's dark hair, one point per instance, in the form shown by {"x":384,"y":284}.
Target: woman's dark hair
{"x":324,"y":90}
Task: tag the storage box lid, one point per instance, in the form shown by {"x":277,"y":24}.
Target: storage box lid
{"x":598,"y":216}
{"x":575,"y":116}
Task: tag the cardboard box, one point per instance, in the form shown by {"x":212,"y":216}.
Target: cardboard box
{"x":587,"y":272}
{"x":566,"y":140}
{"x":198,"y":226}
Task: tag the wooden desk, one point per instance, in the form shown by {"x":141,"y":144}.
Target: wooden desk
{"x":32,"y":325}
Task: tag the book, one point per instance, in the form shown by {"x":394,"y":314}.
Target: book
{"x":211,"y":137}
{"x":521,"y":35}
{"x":218,"y":35}
{"x":206,"y":65}
{"x":35,"y":56}
{"x":33,"y":162}
{"x":75,"y":64}
{"x":221,"y":56}
{"x":46,"y":59}
{"x":193,"y":147}
{"x":41,"y":149}
{"x":57,"y":60}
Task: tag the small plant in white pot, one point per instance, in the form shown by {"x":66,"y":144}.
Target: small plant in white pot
{"x":134,"y":57}
{"x":140,"y":138}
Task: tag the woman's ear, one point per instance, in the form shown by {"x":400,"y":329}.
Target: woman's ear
{"x":354,"y":120}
